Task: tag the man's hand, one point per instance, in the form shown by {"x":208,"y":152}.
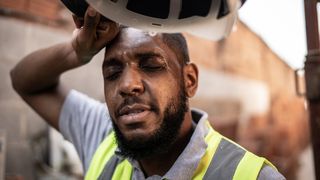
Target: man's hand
{"x":92,"y":34}
{"x":36,"y":76}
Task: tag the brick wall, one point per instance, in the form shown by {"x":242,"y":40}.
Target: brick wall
{"x":281,"y":132}
{"x":243,"y":55}
{"x":45,"y":9}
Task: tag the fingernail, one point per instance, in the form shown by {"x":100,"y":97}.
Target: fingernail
{"x":92,"y":12}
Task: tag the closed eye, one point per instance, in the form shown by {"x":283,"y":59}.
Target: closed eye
{"x":112,"y":73}
{"x":152,"y":68}
{"x":111,"y":69}
{"x":152,"y":62}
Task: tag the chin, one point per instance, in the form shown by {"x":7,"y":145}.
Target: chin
{"x":138,"y":134}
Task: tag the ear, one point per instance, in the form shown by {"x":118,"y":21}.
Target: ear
{"x":190,"y":79}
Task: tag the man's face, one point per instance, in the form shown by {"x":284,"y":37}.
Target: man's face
{"x":144,"y":89}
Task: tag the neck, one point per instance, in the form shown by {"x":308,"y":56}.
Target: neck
{"x":159,"y":164}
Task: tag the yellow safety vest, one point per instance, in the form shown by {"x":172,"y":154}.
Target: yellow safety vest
{"x":247,"y":167}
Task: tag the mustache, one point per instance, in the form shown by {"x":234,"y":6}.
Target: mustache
{"x":136,"y":100}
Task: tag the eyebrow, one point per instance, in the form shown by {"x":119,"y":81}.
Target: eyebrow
{"x":114,"y":61}
{"x":148,"y":54}
{"x":111,"y":62}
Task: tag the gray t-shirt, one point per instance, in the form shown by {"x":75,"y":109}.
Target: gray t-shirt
{"x":86,"y":122}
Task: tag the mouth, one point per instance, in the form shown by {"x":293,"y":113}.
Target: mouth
{"x":133,"y":114}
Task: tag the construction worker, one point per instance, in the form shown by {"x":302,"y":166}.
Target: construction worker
{"x":146,"y":129}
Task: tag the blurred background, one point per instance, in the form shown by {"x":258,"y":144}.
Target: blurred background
{"x":247,"y":86}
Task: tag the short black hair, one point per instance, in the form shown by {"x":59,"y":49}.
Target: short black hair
{"x":178,"y":44}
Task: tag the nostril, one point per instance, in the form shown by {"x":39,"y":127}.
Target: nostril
{"x":131,"y":82}
{"x":132,"y":90}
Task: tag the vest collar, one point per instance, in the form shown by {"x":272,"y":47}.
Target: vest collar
{"x":189,"y":159}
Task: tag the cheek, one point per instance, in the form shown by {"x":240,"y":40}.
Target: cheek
{"x":109,"y":95}
{"x":163,"y":90}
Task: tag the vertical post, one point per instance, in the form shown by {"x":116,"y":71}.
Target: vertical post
{"x":312,"y":76}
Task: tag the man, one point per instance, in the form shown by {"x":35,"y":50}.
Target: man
{"x":147,"y":129}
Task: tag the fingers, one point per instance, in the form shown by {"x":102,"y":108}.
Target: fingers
{"x":108,"y":33}
{"x":75,"y":33}
{"x":78,"y":21}
{"x":91,"y":21}
{"x":103,"y":25}
{"x":92,"y":34}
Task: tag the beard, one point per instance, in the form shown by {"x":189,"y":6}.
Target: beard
{"x":162,"y":139}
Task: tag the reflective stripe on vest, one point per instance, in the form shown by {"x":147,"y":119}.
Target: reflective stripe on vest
{"x":223,"y":159}
{"x":116,"y":170}
{"x":100,"y":158}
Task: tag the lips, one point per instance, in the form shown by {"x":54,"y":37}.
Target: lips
{"x":135,"y":113}
{"x":133,"y":109}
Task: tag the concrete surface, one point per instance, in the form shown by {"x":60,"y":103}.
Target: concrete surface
{"x":26,"y":131}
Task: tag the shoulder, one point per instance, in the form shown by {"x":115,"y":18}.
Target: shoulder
{"x":85,"y":122}
{"x":270,"y":173}
{"x":243,"y":163}
{"x":80,"y":110}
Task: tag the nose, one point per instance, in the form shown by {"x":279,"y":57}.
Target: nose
{"x":131,"y":83}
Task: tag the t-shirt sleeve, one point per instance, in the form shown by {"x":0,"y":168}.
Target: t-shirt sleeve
{"x":84,"y":122}
{"x":269,"y":173}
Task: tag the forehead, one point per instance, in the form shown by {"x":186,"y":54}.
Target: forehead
{"x":130,"y":39}
{"x":131,"y":42}
{"x":134,"y":37}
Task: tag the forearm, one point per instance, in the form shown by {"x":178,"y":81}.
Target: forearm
{"x":40,"y":70}
{"x":36,"y":77}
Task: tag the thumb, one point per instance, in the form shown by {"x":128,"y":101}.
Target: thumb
{"x":91,"y":20}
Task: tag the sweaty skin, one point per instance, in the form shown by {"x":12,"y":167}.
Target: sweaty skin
{"x":142,"y":75}
{"x":137,"y":66}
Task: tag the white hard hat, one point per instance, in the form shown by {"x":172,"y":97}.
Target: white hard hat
{"x":211,"y":19}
